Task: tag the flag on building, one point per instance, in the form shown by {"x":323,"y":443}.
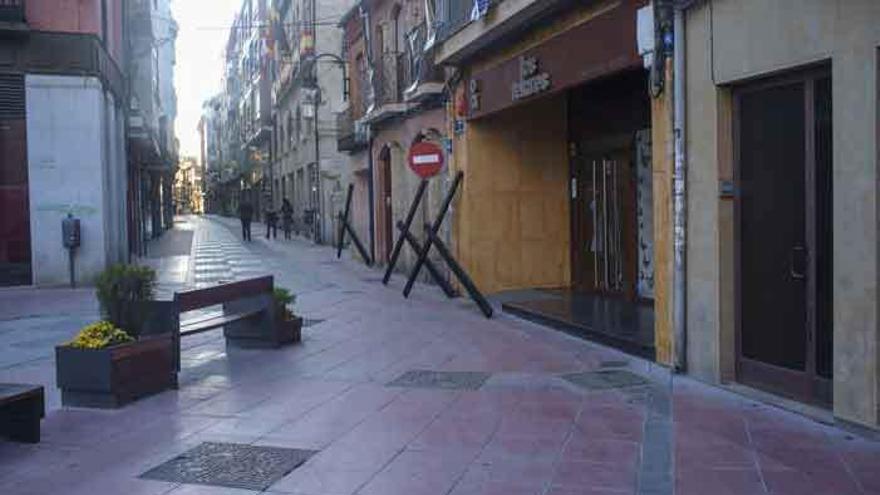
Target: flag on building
{"x":481,"y":7}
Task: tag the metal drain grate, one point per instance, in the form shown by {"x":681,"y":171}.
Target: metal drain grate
{"x":606,"y":379}
{"x":230,"y":465}
{"x":307,"y":322}
{"x":449,"y":380}
{"x":614,"y":364}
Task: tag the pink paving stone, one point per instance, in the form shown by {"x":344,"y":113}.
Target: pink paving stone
{"x":528,"y":446}
{"x":693,"y":453}
{"x":519,"y":472}
{"x":418,"y":473}
{"x":610,"y":476}
{"x":611,"y":422}
{"x":324,"y":481}
{"x":583,"y":448}
{"x":333,"y":419}
{"x":817,"y":480}
{"x":719,"y":482}
{"x":455,"y":434}
{"x":557,"y":490}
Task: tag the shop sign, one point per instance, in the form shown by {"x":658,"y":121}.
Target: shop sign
{"x":531,"y":81}
{"x":425,"y":159}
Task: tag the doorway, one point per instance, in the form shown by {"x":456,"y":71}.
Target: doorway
{"x":611,"y":188}
{"x":783,"y":155}
{"x":15,"y":237}
{"x":386,"y":201}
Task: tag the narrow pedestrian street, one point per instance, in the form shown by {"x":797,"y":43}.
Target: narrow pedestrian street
{"x":396,"y":396}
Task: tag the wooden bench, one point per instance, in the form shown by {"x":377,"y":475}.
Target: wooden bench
{"x":21,"y":409}
{"x":248,"y":317}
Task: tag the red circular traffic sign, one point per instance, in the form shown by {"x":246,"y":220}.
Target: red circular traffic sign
{"x":425,"y":159}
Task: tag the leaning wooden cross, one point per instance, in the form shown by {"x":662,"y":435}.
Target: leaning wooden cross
{"x":345,"y":226}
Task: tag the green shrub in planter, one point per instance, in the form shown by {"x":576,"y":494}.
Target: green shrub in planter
{"x":121,"y":290}
{"x":289,"y":326}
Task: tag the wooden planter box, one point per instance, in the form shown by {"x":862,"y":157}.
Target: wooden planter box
{"x":113,"y":377}
{"x":290,"y":331}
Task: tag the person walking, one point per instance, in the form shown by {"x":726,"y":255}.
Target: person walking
{"x":287,"y":218}
{"x":271,"y":223}
{"x":246,"y":215}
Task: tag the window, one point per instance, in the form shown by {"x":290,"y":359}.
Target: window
{"x":290,"y":130}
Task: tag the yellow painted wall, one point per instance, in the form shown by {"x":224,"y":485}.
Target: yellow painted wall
{"x":512,"y":221}
{"x":662,"y":163}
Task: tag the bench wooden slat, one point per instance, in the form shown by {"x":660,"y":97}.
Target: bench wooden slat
{"x":204,"y":325}
{"x":211,"y":296}
{"x":12,"y":392}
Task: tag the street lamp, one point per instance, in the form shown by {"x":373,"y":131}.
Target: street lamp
{"x":316,"y":100}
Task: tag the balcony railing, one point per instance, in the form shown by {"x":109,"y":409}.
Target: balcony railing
{"x":352,"y":137}
{"x":12,"y":10}
{"x":452,"y":15}
{"x":387,"y":80}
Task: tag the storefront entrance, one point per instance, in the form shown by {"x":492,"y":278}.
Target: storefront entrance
{"x":611,"y":188}
{"x":783,"y":157}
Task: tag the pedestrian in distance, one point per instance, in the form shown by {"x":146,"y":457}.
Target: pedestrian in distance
{"x":287,"y":218}
{"x":246,"y":215}
{"x":271,"y":223}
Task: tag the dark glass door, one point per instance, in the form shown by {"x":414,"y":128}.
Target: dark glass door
{"x":783,"y":156}
{"x":15,"y":238}
{"x":604,"y":224}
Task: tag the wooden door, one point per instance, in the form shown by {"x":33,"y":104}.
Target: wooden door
{"x":783,"y":219}
{"x":387,"y":204}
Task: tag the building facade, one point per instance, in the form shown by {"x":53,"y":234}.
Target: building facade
{"x":397,"y":99}
{"x":308,"y":169}
{"x":782,"y":152}
{"x":62,"y":138}
{"x":188,"y":187}
{"x":152,"y":112}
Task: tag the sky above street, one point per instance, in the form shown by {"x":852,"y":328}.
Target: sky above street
{"x":204,"y":28}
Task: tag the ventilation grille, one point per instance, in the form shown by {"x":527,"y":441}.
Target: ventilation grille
{"x":12,"y":96}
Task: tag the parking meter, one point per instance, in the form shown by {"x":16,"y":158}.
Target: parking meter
{"x":71,"y":237}
{"x":70,"y":230}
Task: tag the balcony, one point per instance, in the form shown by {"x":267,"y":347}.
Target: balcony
{"x":352,"y":136}
{"x":12,"y":18}
{"x":421,"y":79}
{"x":387,"y":89}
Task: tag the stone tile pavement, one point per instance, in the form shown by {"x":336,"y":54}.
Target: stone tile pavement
{"x":525,"y":430}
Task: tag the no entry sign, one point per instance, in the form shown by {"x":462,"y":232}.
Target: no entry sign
{"x":425,"y":159}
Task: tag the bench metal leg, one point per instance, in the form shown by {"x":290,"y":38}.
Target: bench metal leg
{"x":20,"y":421}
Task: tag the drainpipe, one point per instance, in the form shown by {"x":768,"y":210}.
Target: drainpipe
{"x":679,"y":192}
{"x":372,"y":194}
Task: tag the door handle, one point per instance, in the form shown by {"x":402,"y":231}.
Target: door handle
{"x":799,"y":259}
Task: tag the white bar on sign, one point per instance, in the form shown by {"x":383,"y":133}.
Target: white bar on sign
{"x":424,"y":159}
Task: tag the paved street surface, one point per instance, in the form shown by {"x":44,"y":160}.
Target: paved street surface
{"x":538,"y":413}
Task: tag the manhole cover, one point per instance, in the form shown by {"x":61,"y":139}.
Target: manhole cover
{"x":230,"y":465}
{"x":605,"y":379}
{"x":450,"y":380}
{"x":310,"y":323}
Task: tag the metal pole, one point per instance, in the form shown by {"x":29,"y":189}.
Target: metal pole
{"x":605,"y":274}
{"x":319,"y":217}
{"x":72,"y":268}
{"x":679,"y":194}
{"x":407,"y":224}
{"x":595,"y":240}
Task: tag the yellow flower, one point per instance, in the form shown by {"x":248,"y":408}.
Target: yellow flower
{"x":100,"y":335}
